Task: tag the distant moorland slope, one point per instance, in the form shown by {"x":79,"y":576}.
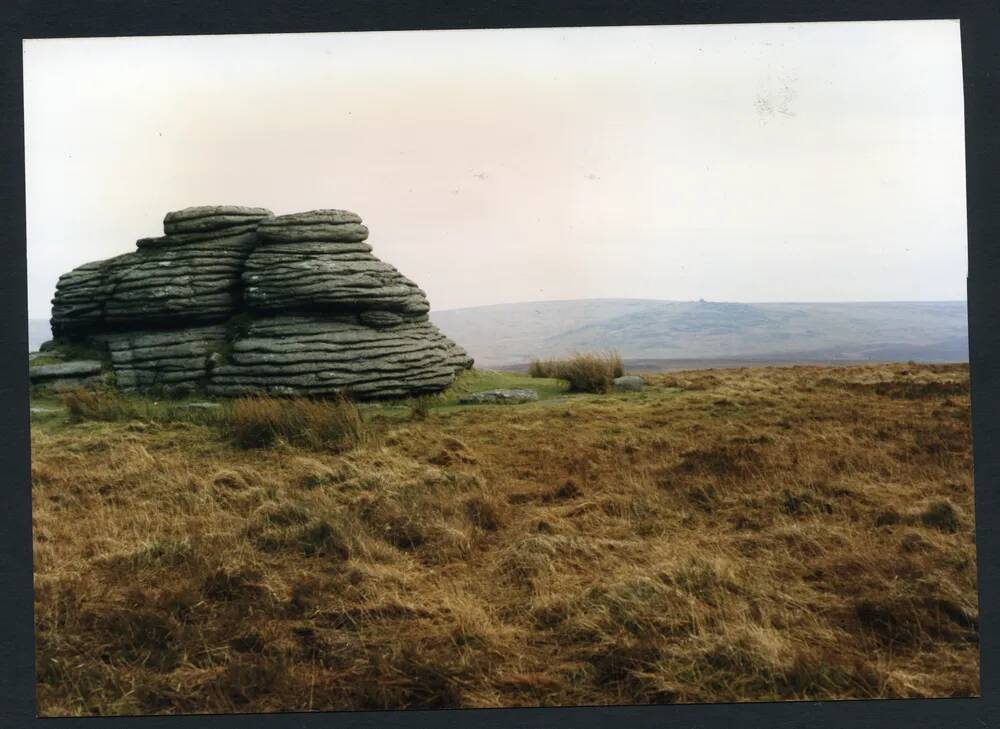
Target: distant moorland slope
{"x":644,"y":329}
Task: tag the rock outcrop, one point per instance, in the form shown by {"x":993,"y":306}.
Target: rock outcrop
{"x":233,"y":301}
{"x":193,"y":274}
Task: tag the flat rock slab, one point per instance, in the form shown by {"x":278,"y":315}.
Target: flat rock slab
{"x":179,"y":239}
{"x":205,"y":211}
{"x":211,"y":217}
{"x":336,"y":233}
{"x":79,"y":368}
{"x":629,"y":383}
{"x":498,"y":396}
{"x":199,"y":225}
{"x":202,"y":405}
{"x":51,"y":354}
{"x":43,"y":411}
{"x":313,"y":217}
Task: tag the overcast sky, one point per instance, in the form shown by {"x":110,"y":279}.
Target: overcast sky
{"x":809,"y":162}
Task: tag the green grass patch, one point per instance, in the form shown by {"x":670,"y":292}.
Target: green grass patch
{"x":112,"y":406}
{"x":39,"y":361}
{"x":466,"y":382}
{"x":478,"y":380}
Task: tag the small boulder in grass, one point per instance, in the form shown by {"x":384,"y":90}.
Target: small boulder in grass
{"x":499,"y":396}
{"x":629,"y":383}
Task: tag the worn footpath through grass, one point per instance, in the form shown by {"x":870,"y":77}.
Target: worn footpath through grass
{"x":727,"y":535}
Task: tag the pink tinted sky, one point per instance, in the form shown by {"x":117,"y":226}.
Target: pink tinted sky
{"x":811,"y":162}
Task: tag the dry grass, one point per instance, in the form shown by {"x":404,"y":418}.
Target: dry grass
{"x":110,"y":406}
{"x":259,"y":422}
{"x":584,"y":372}
{"x":252,"y":422}
{"x":757,"y":534}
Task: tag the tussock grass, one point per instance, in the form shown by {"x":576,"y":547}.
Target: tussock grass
{"x":260,"y":421}
{"x":584,"y":372}
{"x":111,"y":406}
{"x":251,"y":422}
{"x":737,"y":535}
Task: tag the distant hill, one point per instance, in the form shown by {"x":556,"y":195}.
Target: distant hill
{"x":649,"y":330}
{"x":643,"y":329}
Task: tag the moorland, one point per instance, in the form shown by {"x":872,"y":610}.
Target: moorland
{"x":746,"y":534}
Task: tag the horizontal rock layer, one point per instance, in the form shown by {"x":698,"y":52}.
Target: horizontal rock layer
{"x":198,"y":281}
{"x":205,"y":211}
{"x":177,"y":360}
{"x":168,"y":283}
{"x":77,"y":368}
{"x":78,"y":306}
{"x":317,"y":356}
{"x":206,"y":218}
{"x":313,"y":217}
{"x":345,"y":233}
{"x":179,"y":239}
{"x":327,"y":277}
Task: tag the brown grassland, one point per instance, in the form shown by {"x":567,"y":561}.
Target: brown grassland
{"x":725,"y":535}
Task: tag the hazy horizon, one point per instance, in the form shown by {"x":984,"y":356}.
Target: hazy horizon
{"x":648,"y":329}
{"x":963,"y":300}
{"x":818,"y":162}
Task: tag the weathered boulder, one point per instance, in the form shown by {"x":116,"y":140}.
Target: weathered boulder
{"x":516,"y":395}
{"x":233,"y":300}
{"x":628,"y":383}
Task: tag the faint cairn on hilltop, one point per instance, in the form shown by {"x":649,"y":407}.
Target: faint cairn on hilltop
{"x":233,"y":300}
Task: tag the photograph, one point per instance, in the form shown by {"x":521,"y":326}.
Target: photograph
{"x":495,"y":368}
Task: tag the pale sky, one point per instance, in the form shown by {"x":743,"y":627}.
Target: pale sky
{"x":765,"y":162}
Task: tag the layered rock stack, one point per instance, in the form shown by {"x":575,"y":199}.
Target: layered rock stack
{"x":192,"y":273}
{"x":233,"y":300}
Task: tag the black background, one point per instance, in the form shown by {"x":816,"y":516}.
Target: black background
{"x":980,"y":23}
